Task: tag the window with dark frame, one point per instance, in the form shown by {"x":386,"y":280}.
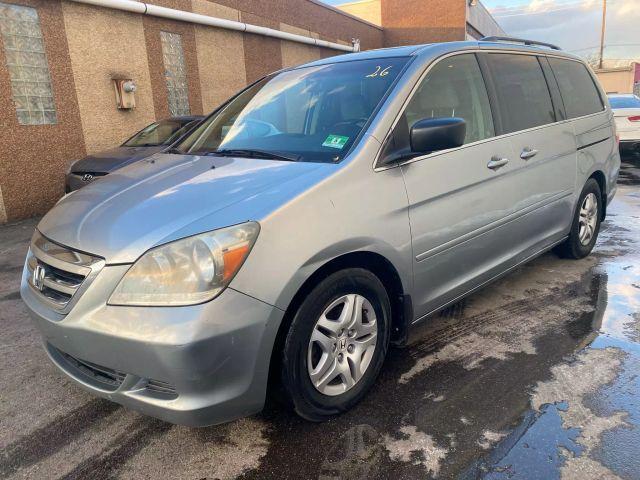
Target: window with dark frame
{"x":454,"y":87}
{"x":578,"y":90}
{"x":524,"y":98}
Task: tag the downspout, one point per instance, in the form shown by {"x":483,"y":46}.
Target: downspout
{"x":180,"y":15}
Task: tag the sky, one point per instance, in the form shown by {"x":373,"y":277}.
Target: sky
{"x":574,"y":25}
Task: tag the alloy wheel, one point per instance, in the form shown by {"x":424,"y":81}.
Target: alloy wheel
{"x":588,"y":219}
{"x":342,"y":344}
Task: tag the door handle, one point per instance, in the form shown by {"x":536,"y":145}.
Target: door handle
{"x":497,"y":162}
{"x":528,"y":153}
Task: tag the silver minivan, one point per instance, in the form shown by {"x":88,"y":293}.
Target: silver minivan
{"x":311,"y":220}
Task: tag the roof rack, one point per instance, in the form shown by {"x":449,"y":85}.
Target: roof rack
{"x":520,"y":40}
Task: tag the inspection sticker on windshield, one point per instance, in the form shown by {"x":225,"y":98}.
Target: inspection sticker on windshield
{"x":335,"y":141}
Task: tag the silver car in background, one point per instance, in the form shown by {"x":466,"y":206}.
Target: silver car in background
{"x":309,"y":223}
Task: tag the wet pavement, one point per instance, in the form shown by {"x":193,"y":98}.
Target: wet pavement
{"x":536,"y":376}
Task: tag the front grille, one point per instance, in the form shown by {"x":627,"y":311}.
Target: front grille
{"x":57,"y":273}
{"x":107,"y":378}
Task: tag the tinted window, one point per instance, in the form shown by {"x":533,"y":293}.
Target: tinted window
{"x":524,"y":97}
{"x":311,"y":114}
{"x":624,"y":102}
{"x":454,"y":88}
{"x":579,"y":93}
{"x":158,"y":133}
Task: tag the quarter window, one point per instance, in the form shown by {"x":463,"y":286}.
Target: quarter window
{"x":579,"y":92}
{"x":175,"y":73}
{"x":522,"y":90}
{"x":27,"y":65}
{"x":454,"y":88}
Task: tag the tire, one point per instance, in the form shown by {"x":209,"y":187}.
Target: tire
{"x":324,"y":399}
{"x":574,"y":247}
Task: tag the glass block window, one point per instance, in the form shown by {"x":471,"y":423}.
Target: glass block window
{"x":27,"y":64}
{"x":175,"y":73}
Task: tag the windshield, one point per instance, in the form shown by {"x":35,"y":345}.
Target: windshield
{"x":624,"y":102}
{"x":159,"y":133}
{"x":311,"y":114}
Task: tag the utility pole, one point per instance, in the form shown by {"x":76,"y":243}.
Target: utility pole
{"x":604,"y":27}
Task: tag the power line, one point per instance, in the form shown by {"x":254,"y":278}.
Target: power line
{"x":606,"y":46}
{"x":518,"y":12}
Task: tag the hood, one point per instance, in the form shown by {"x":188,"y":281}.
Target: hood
{"x":165,"y":197}
{"x":110,"y":160}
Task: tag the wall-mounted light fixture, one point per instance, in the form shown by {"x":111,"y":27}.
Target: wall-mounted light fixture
{"x":125,"y":89}
{"x":473,"y":3}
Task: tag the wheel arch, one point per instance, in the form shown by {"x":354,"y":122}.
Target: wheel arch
{"x":598,"y":176}
{"x":401,"y":306}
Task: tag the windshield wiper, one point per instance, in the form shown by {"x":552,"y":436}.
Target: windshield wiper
{"x":253,"y":153}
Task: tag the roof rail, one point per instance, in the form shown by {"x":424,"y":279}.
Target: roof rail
{"x":520,"y":40}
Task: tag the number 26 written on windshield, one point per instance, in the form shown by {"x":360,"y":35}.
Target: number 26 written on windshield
{"x":380,"y":72}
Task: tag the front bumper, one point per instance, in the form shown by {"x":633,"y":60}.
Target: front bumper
{"x":210,"y":360}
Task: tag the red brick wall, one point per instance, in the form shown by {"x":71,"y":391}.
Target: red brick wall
{"x":331,"y":25}
{"x":411,"y":22}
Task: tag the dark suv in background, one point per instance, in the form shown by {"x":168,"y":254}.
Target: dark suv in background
{"x":151,"y":139}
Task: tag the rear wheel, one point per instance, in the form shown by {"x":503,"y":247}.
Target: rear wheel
{"x":336,"y":345}
{"x":586,"y":223}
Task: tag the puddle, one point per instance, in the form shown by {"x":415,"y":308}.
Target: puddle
{"x":536,"y":449}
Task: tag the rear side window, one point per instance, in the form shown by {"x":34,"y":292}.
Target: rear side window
{"x":579,"y":93}
{"x":522,"y":90}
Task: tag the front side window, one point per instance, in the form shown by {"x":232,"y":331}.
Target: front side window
{"x":454,"y":88}
{"x":27,"y":64}
{"x":175,"y":73}
{"x":311,"y":114}
{"x":525,"y":101}
{"x":579,"y":92}
{"x":159,"y":133}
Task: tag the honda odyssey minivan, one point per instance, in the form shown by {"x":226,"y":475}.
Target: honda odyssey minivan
{"x":313,"y":219}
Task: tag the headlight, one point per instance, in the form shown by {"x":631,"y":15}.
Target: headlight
{"x":188,"y":271}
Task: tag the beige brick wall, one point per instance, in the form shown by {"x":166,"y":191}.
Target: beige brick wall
{"x":616,"y":81}
{"x":221,"y":62}
{"x":297,"y":53}
{"x":104,"y":43}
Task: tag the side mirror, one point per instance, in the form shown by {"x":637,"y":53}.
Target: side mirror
{"x":433,"y":134}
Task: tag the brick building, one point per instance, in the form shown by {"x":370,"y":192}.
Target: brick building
{"x":60,"y":59}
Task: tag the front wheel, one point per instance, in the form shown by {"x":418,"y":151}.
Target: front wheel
{"x":586,"y":223}
{"x":337,"y":343}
